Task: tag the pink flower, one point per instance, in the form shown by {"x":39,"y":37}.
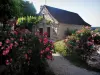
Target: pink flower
{"x":52,"y":46}
{"x":87,"y":27}
{"x":41,"y":52}
{"x":7,"y":62}
{"x":40,"y":40}
{"x":12,"y":38}
{"x":7,"y":41}
{"x":49,"y":57}
{"x":45,"y":41}
{"x":36,"y":33}
{"x":45,"y":34}
{"x":47,"y":49}
{"x":89,"y":43}
{"x":11,"y":45}
{"x":5,"y":52}
{"x":26,"y":56}
{"x":21,"y":39}
{"x":0,"y":43}
{"x":50,"y":52}
{"x":15,"y":32}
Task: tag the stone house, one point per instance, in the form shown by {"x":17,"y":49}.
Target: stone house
{"x":60,"y":21}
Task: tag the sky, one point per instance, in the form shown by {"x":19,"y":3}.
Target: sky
{"x":89,"y":10}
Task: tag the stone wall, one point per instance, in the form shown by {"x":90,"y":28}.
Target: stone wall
{"x":63,"y":27}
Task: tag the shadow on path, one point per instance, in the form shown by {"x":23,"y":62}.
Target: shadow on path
{"x":61,"y":66}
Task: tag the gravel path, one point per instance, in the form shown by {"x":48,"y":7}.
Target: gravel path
{"x":61,"y":66}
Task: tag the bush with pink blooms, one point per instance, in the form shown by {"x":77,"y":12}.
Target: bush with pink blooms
{"x":82,"y":42}
{"x":24,"y":53}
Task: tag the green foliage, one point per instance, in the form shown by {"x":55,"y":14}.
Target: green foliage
{"x":28,"y":9}
{"x":60,"y":47}
{"x":15,"y":8}
{"x":9,"y":9}
{"x":48,"y":22}
{"x":29,"y":19}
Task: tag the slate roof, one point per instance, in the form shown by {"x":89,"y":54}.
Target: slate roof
{"x":66,"y":17}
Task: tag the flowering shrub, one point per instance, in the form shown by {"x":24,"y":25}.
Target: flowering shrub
{"x":82,"y":42}
{"x":23,"y":52}
{"x":60,"y":47}
{"x":46,"y":46}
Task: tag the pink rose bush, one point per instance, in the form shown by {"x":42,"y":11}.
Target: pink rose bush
{"x":82,"y":42}
{"x":47,"y":45}
{"x":23,"y":51}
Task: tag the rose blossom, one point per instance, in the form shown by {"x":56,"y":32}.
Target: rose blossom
{"x":49,"y":57}
{"x":5,"y":52}
{"x":26,"y":56}
{"x":45,"y":41}
{"x":0,"y":43}
{"x":21,"y":39}
{"x":7,"y":62}
{"x":7,"y":41}
{"x":47,"y":49}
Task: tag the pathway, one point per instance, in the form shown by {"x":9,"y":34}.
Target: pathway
{"x":61,"y":66}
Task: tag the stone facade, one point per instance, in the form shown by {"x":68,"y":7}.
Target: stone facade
{"x":57,"y":29}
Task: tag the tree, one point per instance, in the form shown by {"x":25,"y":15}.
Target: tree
{"x":28,"y":9}
{"x":9,"y":9}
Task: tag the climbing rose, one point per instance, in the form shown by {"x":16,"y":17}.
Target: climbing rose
{"x":15,"y":32}
{"x":7,"y":62}
{"x":7,"y":41}
{"x":47,"y":49}
{"x":45,"y":34}
{"x":21,"y":39}
{"x":5,"y":52}
{"x":89,"y":43}
{"x":49,"y":57}
{"x":87,"y":27}
{"x":11,"y":45}
{"x":0,"y":43}
{"x":45,"y":41}
{"x":12,"y":38}
{"x":26,"y":56}
{"x":42,"y":51}
{"x":40,"y":40}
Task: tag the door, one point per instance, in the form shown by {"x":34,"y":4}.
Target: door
{"x":48,"y":31}
{"x":41,"y":31}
